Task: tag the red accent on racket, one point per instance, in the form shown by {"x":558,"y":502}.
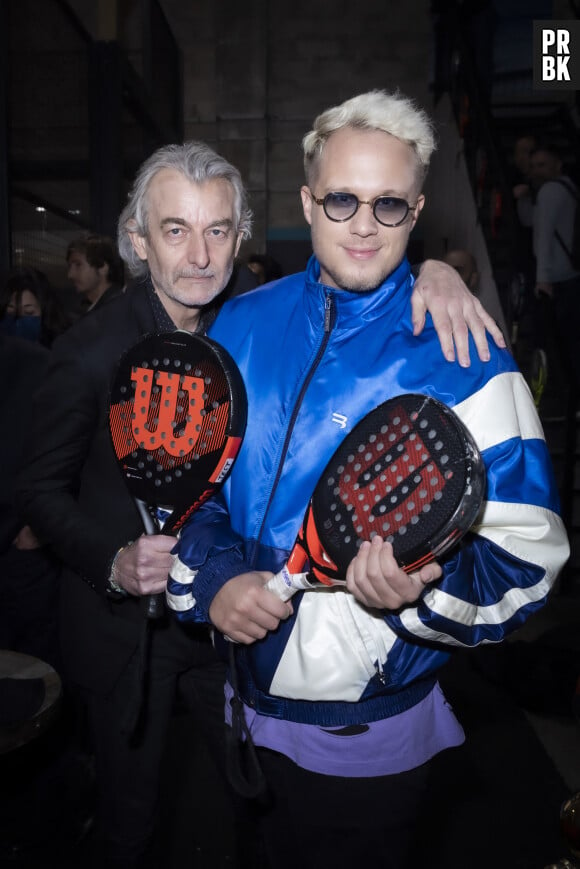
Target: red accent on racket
{"x":177,"y":417}
{"x":410,"y":472}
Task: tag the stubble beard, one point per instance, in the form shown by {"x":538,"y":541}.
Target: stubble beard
{"x":353,"y":283}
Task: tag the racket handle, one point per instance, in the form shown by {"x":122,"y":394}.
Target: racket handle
{"x":153,"y":605}
{"x":285,"y":584}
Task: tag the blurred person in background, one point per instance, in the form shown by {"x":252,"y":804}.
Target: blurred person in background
{"x":465,"y":265}
{"x":557,"y":273}
{"x":30,"y":307}
{"x":255,"y":270}
{"x":28,"y":572}
{"x":521,"y":295}
{"x":96,"y":269}
{"x":265,"y":267}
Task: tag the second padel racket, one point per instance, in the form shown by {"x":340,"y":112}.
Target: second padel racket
{"x":410,"y":472}
{"x":177,"y":417}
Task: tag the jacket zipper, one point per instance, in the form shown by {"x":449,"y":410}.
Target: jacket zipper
{"x":328,"y":326}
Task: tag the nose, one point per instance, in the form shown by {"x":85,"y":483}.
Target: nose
{"x":364,"y":221}
{"x":197,"y":251}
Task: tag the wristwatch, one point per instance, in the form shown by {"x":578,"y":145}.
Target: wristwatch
{"x":113,"y":589}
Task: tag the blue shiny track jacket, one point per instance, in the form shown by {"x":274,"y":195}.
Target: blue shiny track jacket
{"x":315,"y":360}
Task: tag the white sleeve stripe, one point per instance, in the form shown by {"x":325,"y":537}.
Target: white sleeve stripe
{"x":181,"y":573}
{"x":472,"y":615}
{"x":528,"y":532}
{"x":180,"y":602}
{"x":497,"y":614}
{"x":532,"y":534}
{"x":501,"y":410}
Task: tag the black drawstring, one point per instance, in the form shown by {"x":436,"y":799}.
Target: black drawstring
{"x":242,"y":763}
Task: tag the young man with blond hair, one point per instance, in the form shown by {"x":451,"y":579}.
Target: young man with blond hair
{"x":339,"y":687}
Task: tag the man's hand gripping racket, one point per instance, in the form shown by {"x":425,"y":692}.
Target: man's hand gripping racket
{"x":409,"y":472}
{"x":177,"y":417}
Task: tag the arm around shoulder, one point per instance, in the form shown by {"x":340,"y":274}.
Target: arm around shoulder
{"x":455,"y":312}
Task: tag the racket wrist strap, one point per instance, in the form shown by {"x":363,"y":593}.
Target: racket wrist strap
{"x":242,"y":762}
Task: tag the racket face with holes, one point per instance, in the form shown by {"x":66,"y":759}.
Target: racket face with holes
{"x":177,"y":417}
{"x":410,"y":472}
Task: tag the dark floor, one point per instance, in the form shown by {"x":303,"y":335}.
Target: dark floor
{"x":495,"y":801}
{"x":498,"y":797}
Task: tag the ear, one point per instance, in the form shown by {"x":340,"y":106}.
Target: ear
{"x":139,"y":243}
{"x":418,"y":209}
{"x":306,"y":197}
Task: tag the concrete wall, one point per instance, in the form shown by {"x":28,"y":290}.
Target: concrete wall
{"x":257,"y":73}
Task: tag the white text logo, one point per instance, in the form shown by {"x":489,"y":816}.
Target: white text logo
{"x":340,"y":419}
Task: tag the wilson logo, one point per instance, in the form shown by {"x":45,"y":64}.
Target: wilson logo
{"x":160,"y":433}
{"x":386,"y":484}
{"x":169,"y":421}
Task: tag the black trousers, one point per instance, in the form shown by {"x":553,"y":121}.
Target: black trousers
{"x":128,"y":767}
{"x":311,"y":820}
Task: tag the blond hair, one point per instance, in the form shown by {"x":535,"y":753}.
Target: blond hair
{"x":376,"y":110}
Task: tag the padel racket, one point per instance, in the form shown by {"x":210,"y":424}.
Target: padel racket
{"x":177,"y":417}
{"x":409,"y":471}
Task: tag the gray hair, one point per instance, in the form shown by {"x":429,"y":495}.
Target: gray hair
{"x":376,"y":110}
{"x":197,"y":162}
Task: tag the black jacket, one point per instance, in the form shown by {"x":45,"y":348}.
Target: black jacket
{"x":73,"y":495}
{"x":23,"y":365}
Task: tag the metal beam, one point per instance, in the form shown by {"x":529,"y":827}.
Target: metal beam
{"x":105,"y":136}
{"x":5,"y":233}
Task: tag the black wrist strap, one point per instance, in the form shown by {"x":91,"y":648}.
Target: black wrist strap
{"x":242,"y":764}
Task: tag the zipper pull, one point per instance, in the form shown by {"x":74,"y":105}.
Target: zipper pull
{"x":328,"y":309}
{"x":381,"y":674}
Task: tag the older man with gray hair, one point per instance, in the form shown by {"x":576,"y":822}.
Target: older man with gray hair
{"x":179,"y":233}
